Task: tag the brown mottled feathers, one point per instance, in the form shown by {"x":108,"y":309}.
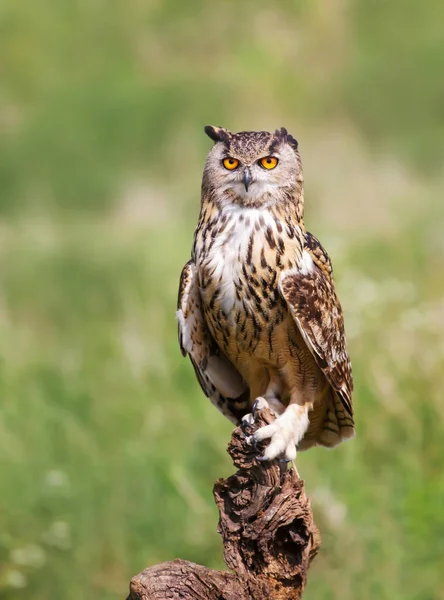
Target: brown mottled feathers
{"x":318,"y":254}
{"x":312,"y":300}
{"x":218,"y":378}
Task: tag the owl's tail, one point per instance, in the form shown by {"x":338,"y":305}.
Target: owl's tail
{"x":338,"y":424}
{"x":329,"y":425}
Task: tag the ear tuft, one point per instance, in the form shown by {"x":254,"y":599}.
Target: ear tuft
{"x":286,"y":137}
{"x":292,"y":141}
{"x":282,"y":132}
{"x":217,"y":134}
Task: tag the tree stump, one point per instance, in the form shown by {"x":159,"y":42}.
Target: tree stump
{"x":267,"y":528}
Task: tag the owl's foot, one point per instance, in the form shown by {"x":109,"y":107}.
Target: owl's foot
{"x":248,"y":420}
{"x":259,"y":404}
{"x":284,"y":433}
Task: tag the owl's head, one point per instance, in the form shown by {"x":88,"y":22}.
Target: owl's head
{"x":252,"y":168}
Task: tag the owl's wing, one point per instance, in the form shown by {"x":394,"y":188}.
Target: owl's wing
{"x":311,"y":297}
{"x":218,"y":377}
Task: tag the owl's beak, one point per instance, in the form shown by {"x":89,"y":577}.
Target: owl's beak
{"x":247,"y":178}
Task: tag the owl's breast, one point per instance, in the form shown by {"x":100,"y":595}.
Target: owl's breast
{"x":241,"y":302}
{"x":239,"y":259}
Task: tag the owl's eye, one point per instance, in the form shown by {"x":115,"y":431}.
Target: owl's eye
{"x":230,"y":163}
{"x":269,"y":162}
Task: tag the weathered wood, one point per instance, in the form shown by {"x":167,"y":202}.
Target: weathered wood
{"x":268,"y":532}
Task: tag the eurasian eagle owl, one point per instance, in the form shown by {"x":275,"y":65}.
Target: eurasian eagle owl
{"x":258,"y":312}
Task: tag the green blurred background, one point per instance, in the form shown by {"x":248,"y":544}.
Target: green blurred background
{"x":108,"y":448}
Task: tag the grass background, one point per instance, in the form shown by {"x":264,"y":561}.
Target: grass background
{"x":108,"y":450}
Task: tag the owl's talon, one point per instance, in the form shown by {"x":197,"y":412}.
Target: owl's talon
{"x":247,"y":420}
{"x":259,"y":404}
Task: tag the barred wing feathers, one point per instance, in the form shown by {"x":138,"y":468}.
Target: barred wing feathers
{"x":311,"y":298}
{"x":219,"y":379}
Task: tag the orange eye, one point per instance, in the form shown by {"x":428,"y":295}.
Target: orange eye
{"x":269,"y":162}
{"x":231,"y":163}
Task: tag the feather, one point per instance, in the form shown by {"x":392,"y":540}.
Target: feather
{"x":311,"y":297}
{"x":220,"y":380}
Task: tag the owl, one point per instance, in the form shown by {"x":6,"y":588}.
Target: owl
{"x":258,"y":313}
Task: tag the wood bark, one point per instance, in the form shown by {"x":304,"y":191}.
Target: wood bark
{"x":267,"y":529}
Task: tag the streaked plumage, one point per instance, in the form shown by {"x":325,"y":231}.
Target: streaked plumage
{"x":258,"y":312}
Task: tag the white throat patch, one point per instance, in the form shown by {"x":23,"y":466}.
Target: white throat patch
{"x":229,"y":252}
